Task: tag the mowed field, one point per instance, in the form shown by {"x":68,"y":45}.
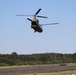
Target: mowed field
{"x":38,"y":70}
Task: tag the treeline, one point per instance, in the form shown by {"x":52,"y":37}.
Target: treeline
{"x":34,"y":59}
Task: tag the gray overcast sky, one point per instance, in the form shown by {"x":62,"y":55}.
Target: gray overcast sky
{"x":16,"y":34}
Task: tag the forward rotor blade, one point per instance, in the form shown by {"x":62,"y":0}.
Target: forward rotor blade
{"x":49,"y":24}
{"x":29,"y":19}
{"x":24,"y":15}
{"x":42,"y":16}
{"x":37,"y":11}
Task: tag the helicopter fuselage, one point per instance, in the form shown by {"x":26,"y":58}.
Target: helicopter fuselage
{"x":36,"y":26}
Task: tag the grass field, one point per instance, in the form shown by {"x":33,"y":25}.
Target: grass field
{"x":54,"y":73}
{"x":73,"y":72}
{"x":53,"y":69}
{"x":68,"y":64}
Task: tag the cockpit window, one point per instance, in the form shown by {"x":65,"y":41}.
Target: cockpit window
{"x":33,"y":23}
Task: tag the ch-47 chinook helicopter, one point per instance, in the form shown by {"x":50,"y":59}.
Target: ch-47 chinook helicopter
{"x":35,"y":22}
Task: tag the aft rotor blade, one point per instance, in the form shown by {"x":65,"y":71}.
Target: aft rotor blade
{"x":24,"y":15}
{"x":29,"y":19}
{"x":49,"y":24}
{"x":37,"y":11}
{"x":42,"y":16}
